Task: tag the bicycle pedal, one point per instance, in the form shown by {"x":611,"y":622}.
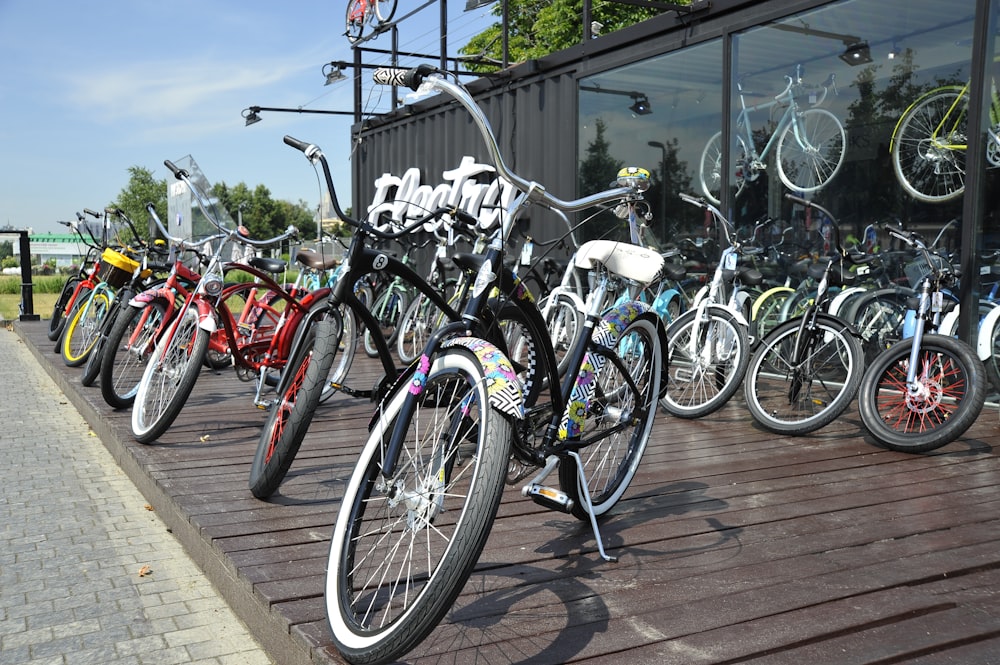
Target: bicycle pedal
{"x":549,"y":497}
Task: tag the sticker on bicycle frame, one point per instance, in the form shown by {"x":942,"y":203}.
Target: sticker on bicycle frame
{"x":380,"y":262}
{"x":526,"y":253}
{"x":606,"y":335}
{"x":730,"y":262}
{"x":484,"y":278}
{"x":502,"y":385}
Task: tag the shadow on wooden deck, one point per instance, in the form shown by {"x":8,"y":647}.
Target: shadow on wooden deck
{"x":735,"y":545}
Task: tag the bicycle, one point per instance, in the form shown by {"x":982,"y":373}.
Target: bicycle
{"x":258,"y":338}
{"x":78,"y":285}
{"x":924,"y":391}
{"x":317,"y":351}
{"x":419,"y":506}
{"x":809,"y":143}
{"x":930,"y":140}
{"x":709,"y":345}
{"x":806,"y":371}
{"x":361,"y":14}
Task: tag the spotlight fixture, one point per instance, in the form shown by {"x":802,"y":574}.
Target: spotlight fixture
{"x":640,"y":104}
{"x":335,"y":74}
{"x":250,"y":116}
{"x":856,"y":53}
{"x":895,"y":51}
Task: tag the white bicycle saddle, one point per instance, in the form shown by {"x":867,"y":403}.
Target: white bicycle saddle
{"x":630,"y":261}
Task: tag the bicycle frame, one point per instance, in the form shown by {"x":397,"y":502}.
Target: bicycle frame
{"x":788,"y":117}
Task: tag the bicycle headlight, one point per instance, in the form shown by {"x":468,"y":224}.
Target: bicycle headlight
{"x":213,"y":284}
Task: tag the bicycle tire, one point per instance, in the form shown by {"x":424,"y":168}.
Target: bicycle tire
{"x":58,"y":320}
{"x":388,"y":310}
{"x":711,"y":166}
{"x":807,"y":168}
{"x":84,"y":326}
{"x":992,"y":362}
{"x":375,"y":614}
{"x":292,"y":412}
{"x":766,"y":312}
{"x":92,"y":368}
{"x":563,"y":320}
{"x":878,"y":318}
{"x":611,"y":462}
{"x":421,"y":319}
{"x":928,"y":170}
{"x":124,"y":359}
{"x":706,"y":365}
{"x":385,"y":10}
{"x":797,"y":392}
{"x":952,"y":396}
{"x":169,"y":377}
{"x":344,"y":360}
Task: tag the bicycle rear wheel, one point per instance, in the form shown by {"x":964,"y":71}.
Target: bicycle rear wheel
{"x":406,"y":541}
{"x":358,"y":17}
{"x":707,"y":361}
{"x":563,"y":321}
{"x":169,"y":377}
{"x":796,"y":383}
{"x":385,"y":10}
{"x":302,"y":386}
{"x":811,"y":150}
{"x":929,"y":145}
{"x":624,"y":414}
{"x":388,"y":310}
{"x":951,"y":391}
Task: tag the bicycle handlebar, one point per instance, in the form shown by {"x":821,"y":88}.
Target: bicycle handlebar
{"x":532,"y":192}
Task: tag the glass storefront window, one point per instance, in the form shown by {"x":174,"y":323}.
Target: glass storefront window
{"x":838,"y":104}
{"x":657,"y":114}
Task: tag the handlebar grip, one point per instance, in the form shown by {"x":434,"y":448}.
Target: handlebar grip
{"x":797,"y":199}
{"x":407,"y":78}
{"x":465,"y":218}
{"x":178,"y":172}
{"x":95,"y":215}
{"x":301,"y":146}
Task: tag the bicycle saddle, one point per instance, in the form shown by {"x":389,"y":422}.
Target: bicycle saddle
{"x":313,"y":259}
{"x":273,"y":266}
{"x":629,"y":261}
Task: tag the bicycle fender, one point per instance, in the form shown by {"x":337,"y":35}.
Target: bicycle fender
{"x":566,"y":293}
{"x":503,"y":388}
{"x":206,"y":317}
{"x":606,"y":335}
{"x":740,"y":318}
{"x":984,"y":341}
{"x":146,"y":297}
{"x":661,"y":305}
{"x":949,"y":326}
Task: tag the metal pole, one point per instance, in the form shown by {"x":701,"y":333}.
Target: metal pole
{"x":27,"y":290}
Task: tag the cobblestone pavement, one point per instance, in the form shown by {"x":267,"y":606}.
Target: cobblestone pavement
{"x":88,"y":573}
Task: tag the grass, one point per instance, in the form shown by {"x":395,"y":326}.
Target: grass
{"x":42,"y":304}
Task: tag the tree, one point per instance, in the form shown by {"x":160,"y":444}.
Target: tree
{"x":597,"y":171}
{"x":142,"y":188}
{"x":263,"y":216}
{"x":536,"y":28}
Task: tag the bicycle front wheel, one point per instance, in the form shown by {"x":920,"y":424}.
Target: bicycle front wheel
{"x":708,"y":357}
{"x":563,"y":321}
{"x":388,"y":310}
{"x":422,"y":318}
{"x":58,"y":320}
{"x":169,"y":377}
{"x":811,"y":150}
{"x":406,"y":539}
{"x":126,"y":351}
{"x":84,"y":326}
{"x":621,"y":413}
{"x":945,"y":400}
{"x":929,"y":145}
{"x":796,"y":383}
{"x":306,"y":377}
{"x":385,"y":10}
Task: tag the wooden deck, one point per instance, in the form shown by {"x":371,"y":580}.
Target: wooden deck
{"x":735,"y":545}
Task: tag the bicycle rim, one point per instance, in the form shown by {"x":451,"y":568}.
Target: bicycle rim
{"x":928,"y":147}
{"x":403,"y":546}
{"x":796,"y":391}
{"x":811,"y":150}
{"x":623,"y":415}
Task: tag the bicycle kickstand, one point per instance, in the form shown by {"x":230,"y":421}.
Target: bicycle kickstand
{"x":555,"y":499}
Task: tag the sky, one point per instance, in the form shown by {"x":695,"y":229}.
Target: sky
{"x":88,"y":90}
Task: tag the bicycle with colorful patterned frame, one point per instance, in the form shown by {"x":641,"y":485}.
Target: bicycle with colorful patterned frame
{"x":420,"y":504}
{"x":361,"y":14}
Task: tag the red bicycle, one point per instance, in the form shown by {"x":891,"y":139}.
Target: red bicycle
{"x":254,"y":321}
{"x":362,"y":13}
